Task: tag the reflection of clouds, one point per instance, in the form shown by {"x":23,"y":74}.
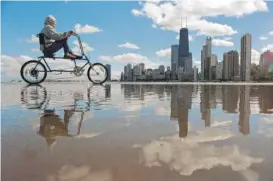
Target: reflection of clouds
{"x":250,"y":175}
{"x":191,"y":154}
{"x":129,"y":107}
{"x":133,"y":105}
{"x":163,"y":109}
{"x":208,"y":135}
{"x":88,"y":135}
{"x":220,"y":123}
{"x":81,"y":173}
{"x":265,"y":126}
{"x":254,"y":108}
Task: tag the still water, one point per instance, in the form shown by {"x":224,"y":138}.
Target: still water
{"x":121,"y":132}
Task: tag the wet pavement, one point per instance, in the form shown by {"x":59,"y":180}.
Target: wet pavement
{"x":123,"y":132}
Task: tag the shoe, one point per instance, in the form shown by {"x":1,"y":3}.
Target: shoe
{"x":77,"y":56}
{"x":69,"y":56}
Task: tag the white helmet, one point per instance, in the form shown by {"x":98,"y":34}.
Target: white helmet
{"x":50,"y":20}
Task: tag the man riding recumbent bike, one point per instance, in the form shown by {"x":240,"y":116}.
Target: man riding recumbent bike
{"x":51,"y":42}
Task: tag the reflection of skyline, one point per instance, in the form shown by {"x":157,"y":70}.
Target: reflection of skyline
{"x":181,"y":99}
{"x":230,"y":98}
{"x":244,"y":110}
{"x":204,"y":105}
{"x":233,"y":99}
{"x":265,"y":99}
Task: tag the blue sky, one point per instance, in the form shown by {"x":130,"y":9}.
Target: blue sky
{"x":140,"y":24}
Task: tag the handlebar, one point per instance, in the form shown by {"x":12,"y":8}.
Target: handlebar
{"x":79,"y":40}
{"x":74,"y":34}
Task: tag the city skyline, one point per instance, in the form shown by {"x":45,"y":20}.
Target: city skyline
{"x":122,"y":47}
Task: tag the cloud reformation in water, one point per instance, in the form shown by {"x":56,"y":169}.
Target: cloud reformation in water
{"x":190,"y":155}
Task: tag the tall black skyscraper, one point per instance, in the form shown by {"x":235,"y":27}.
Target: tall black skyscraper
{"x":183,"y":46}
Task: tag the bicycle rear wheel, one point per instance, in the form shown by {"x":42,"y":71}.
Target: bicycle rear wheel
{"x":35,"y":69}
{"x":97,"y":73}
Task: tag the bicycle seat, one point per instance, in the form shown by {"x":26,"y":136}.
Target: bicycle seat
{"x":49,"y":55}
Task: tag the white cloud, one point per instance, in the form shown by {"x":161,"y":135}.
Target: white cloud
{"x":197,"y":64}
{"x":154,"y":26}
{"x":33,"y":39}
{"x":115,"y":74}
{"x":137,"y":12}
{"x":220,"y":42}
{"x":167,"y":15}
{"x":35,"y":50}
{"x":255,"y":56}
{"x":267,"y":47}
{"x":164,"y":52}
{"x":263,"y":38}
{"x":87,"y":48}
{"x":227,"y":38}
{"x":11,"y":65}
{"x":133,"y":58}
{"x":129,"y":45}
{"x":270,"y":33}
{"x":86,"y":29}
{"x":191,"y":38}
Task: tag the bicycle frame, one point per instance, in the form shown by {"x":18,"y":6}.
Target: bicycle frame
{"x":60,"y":70}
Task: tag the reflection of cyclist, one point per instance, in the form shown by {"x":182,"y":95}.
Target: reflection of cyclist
{"x":51,"y":125}
{"x":54,"y":41}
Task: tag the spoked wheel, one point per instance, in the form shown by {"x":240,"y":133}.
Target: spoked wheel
{"x":34,"y":96}
{"x":97,"y":73}
{"x":33,"y":72}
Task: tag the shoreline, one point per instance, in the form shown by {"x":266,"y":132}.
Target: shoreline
{"x":200,"y":83}
{"x":154,"y":83}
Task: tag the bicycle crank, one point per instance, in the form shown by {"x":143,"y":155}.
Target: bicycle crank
{"x":77,"y":71}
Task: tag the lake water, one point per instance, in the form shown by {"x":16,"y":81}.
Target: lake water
{"x":123,"y":132}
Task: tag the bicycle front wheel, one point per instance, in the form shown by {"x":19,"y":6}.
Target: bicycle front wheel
{"x":97,"y":73}
{"x":33,"y":72}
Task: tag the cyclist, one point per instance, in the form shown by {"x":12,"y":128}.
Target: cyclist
{"x":54,"y":41}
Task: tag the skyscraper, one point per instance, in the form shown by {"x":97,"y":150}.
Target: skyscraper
{"x":183,"y":47}
{"x":233,"y":63}
{"x":174,"y":59}
{"x":205,"y":59}
{"x":214,"y":60}
{"x":202,"y":64}
{"x":219,"y":71}
{"x":266,"y":59}
{"x":161,"y":69}
{"x":225,"y":66}
{"x":207,"y":68}
{"x":183,"y":42}
{"x":108,"y":67}
{"x":208,"y":43}
{"x":245,"y":68}
{"x":142,"y":68}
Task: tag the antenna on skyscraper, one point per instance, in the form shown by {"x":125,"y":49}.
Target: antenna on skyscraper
{"x":181,"y":21}
{"x":186,"y":22}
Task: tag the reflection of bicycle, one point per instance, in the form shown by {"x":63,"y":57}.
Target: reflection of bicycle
{"x":37,"y":68}
{"x":37,"y":97}
{"x":34,"y":96}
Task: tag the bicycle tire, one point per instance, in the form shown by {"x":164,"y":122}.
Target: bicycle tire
{"x":33,"y":61}
{"x":25,"y":101}
{"x":105,"y":69}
